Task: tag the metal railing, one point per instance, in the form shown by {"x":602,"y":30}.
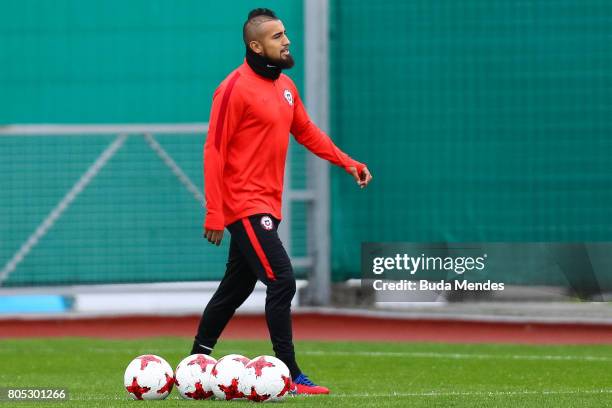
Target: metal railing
{"x":122,"y":132}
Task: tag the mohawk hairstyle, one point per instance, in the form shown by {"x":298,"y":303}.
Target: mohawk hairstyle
{"x":256,"y":17}
{"x":261,"y":12}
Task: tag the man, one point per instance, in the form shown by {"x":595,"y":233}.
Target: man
{"x":253,"y":111}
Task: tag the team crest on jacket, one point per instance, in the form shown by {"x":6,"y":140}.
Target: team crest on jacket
{"x":266,"y":223}
{"x":288,"y":97}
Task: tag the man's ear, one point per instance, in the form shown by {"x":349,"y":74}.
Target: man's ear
{"x":256,"y":47}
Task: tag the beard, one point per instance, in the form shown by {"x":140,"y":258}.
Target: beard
{"x":283,"y":63}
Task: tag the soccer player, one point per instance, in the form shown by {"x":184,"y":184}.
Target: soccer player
{"x":253,"y":111}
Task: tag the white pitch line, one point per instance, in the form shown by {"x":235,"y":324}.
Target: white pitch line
{"x":64,"y":203}
{"x":471,"y":393}
{"x":409,"y":394}
{"x":452,"y":356}
{"x":408,"y":354}
{"x":457,"y":356}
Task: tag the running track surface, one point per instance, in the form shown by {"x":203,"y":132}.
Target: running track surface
{"x":312,"y":326}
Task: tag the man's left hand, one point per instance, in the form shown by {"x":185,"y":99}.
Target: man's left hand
{"x":362,"y":179}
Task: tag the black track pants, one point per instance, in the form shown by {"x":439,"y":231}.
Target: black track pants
{"x":256,"y":252}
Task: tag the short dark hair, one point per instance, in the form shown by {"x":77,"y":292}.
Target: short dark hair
{"x":263,"y":14}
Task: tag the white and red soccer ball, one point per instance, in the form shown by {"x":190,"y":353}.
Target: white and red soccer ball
{"x":265,"y":378}
{"x":192,"y":377}
{"x":148,"y":377}
{"x":226,"y":375}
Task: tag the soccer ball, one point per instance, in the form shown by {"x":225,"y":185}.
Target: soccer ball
{"x":225,"y":376}
{"x":148,"y":377}
{"x":192,"y":375}
{"x":266,"y":378}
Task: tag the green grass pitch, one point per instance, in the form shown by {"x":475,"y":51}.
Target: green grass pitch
{"x":359,"y":374}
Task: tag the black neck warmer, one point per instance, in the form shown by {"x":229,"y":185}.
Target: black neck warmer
{"x":261,"y":65}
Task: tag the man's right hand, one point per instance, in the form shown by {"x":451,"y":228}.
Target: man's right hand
{"x":213,"y":236}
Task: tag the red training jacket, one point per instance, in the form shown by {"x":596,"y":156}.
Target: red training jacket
{"x":246,"y":146}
